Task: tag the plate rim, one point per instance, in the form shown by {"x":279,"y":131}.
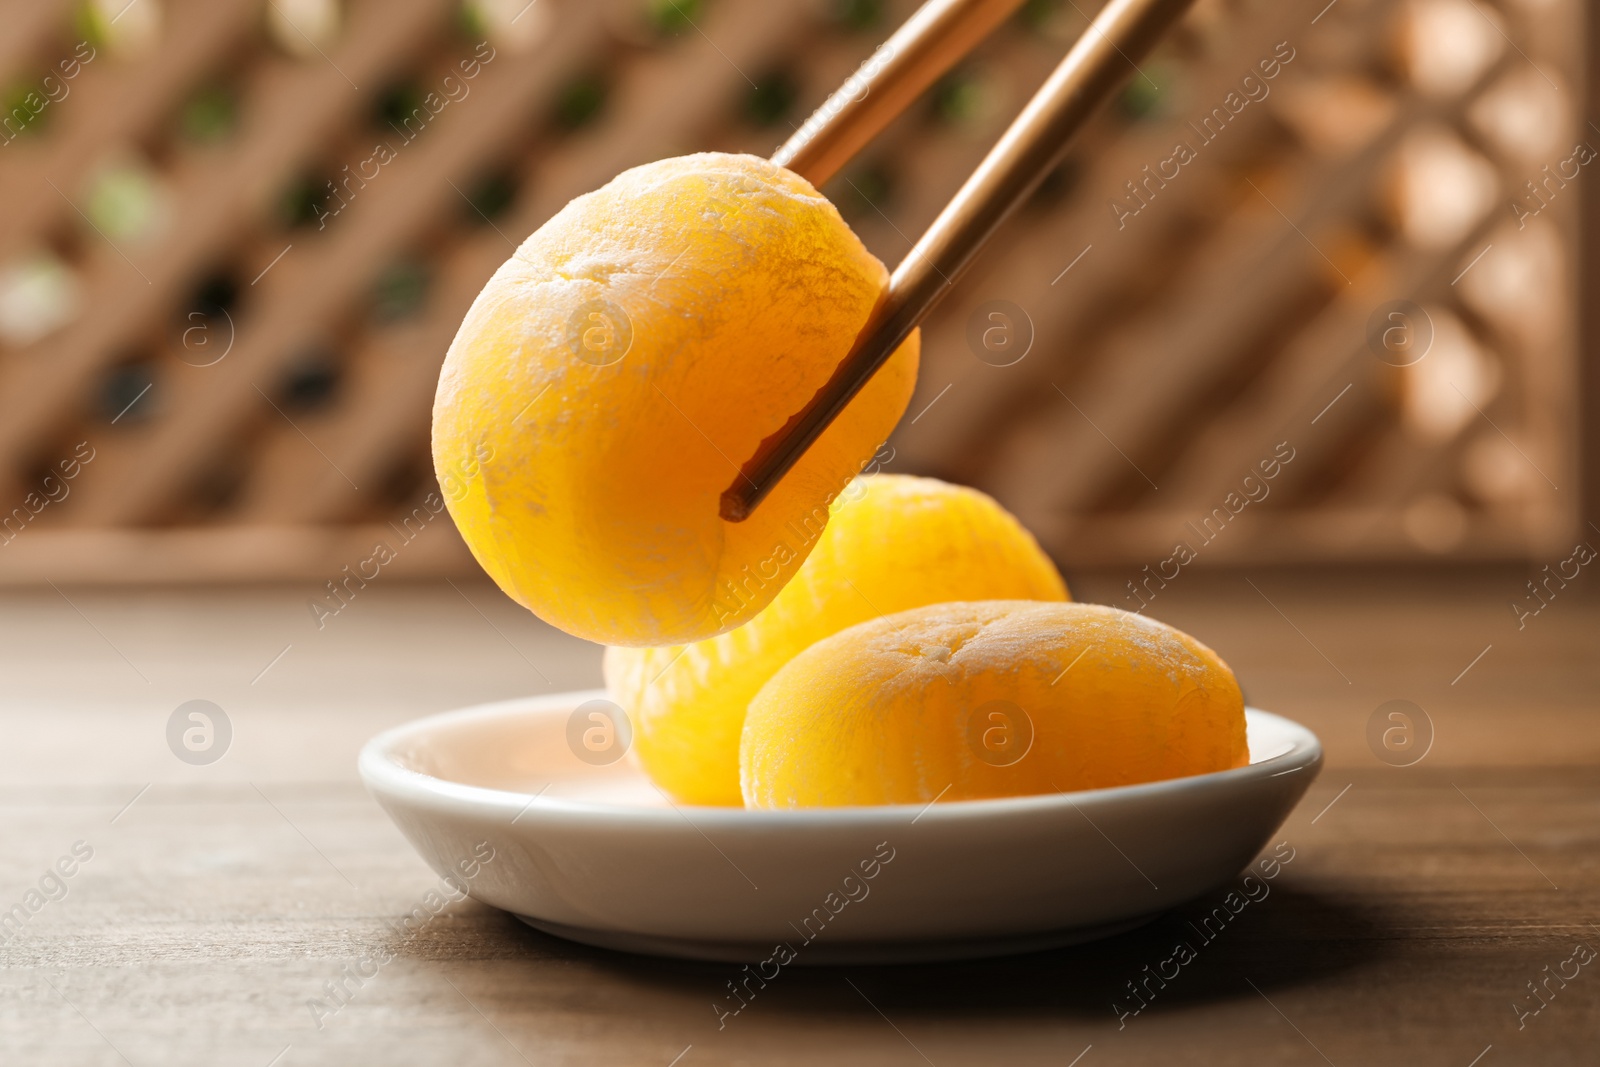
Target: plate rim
{"x":384,"y":776}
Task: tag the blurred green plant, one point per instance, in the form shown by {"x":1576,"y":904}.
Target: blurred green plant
{"x":866,"y":190}
{"x":130,"y":30}
{"x":856,"y":14}
{"x":771,"y":98}
{"x":1149,"y":94}
{"x":401,"y":290}
{"x":1037,"y":15}
{"x":92,"y":24}
{"x":489,"y":196}
{"x":209,"y":115}
{"x":125,"y":201}
{"x":304,"y":201}
{"x":26,"y":111}
{"x":397,"y":103}
{"x":581,"y":101}
{"x":669,"y":18}
{"x":959,"y":97}
{"x":472,"y":23}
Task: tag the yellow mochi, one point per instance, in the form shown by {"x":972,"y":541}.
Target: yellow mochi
{"x":968,"y":700}
{"x":891,"y":542}
{"x":613,"y":374}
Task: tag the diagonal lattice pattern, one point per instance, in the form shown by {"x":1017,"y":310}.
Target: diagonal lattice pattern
{"x":240,"y":235}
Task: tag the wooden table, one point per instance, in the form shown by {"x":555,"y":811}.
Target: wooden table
{"x":220,"y":900}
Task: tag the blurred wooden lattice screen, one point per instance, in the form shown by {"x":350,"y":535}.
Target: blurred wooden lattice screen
{"x":1195,"y":336}
{"x":250,"y":357}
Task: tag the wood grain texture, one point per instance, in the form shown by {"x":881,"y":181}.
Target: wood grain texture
{"x":1419,"y":903}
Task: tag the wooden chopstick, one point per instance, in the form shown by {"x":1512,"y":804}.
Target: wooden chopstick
{"x":940,"y":34}
{"x":1096,"y":66}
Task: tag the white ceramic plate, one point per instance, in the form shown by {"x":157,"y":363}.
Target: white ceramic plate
{"x":596,"y":854}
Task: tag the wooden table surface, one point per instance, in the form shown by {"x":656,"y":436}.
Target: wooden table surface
{"x":217,"y":901}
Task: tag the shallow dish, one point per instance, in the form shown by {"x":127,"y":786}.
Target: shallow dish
{"x":596,"y":854}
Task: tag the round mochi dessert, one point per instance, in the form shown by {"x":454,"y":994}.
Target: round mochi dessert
{"x":615,"y":372}
{"x":890,"y":542}
{"x":963,"y":701}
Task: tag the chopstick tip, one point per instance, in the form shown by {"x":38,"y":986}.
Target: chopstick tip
{"x":734,"y":507}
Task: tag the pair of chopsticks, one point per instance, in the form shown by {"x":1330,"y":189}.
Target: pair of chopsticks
{"x":930,"y":43}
